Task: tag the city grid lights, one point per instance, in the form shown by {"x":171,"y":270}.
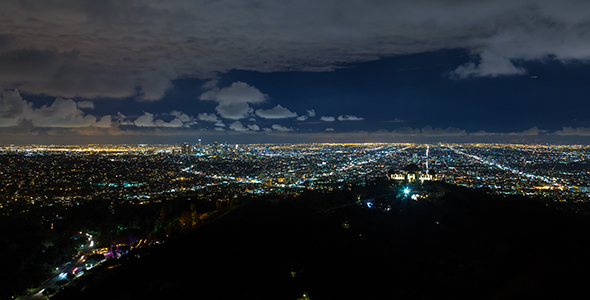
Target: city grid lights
{"x":54,"y":175}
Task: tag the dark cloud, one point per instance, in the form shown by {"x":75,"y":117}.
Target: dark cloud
{"x":208,"y":117}
{"x":450,"y":131}
{"x":62,"y":113}
{"x":234,"y":111}
{"x":110,"y":48}
{"x":577,"y":131}
{"x":237,"y":126}
{"x":186,"y":119}
{"x":15,"y":110}
{"x":147,"y":120}
{"x":66,"y":49}
{"x":277,"y":112}
{"x":4,"y":41}
{"x":490,"y":64}
{"x":85,"y":104}
{"x":281,"y":128}
{"x":104,"y":122}
{"x":64,"y":74}
{"x":349,"y":118}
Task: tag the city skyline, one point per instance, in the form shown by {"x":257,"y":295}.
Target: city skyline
{"x":140,"y":172}
{"x":277,"y":72}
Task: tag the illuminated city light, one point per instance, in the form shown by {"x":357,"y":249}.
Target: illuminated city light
{"x":249,"y":169}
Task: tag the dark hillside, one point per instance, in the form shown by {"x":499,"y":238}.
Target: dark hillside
{"x":463,"y":244}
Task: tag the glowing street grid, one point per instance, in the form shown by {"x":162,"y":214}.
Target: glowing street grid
{"x":47,"y":175}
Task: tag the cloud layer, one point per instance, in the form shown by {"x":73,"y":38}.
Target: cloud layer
{"x":66,"y":117}
{"x":91,"y":49}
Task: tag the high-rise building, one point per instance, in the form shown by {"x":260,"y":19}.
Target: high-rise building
{"x":186,"y":149}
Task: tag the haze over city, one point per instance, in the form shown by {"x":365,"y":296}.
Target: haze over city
{"x":275,"y":71}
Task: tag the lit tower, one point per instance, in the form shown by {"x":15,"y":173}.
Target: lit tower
{"x":427,"y":148}
{"x":186,"y":149}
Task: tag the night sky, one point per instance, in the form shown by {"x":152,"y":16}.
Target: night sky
{"x":89,"y":71}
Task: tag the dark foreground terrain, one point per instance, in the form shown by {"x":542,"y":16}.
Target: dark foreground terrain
{"x":458,"y":244}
